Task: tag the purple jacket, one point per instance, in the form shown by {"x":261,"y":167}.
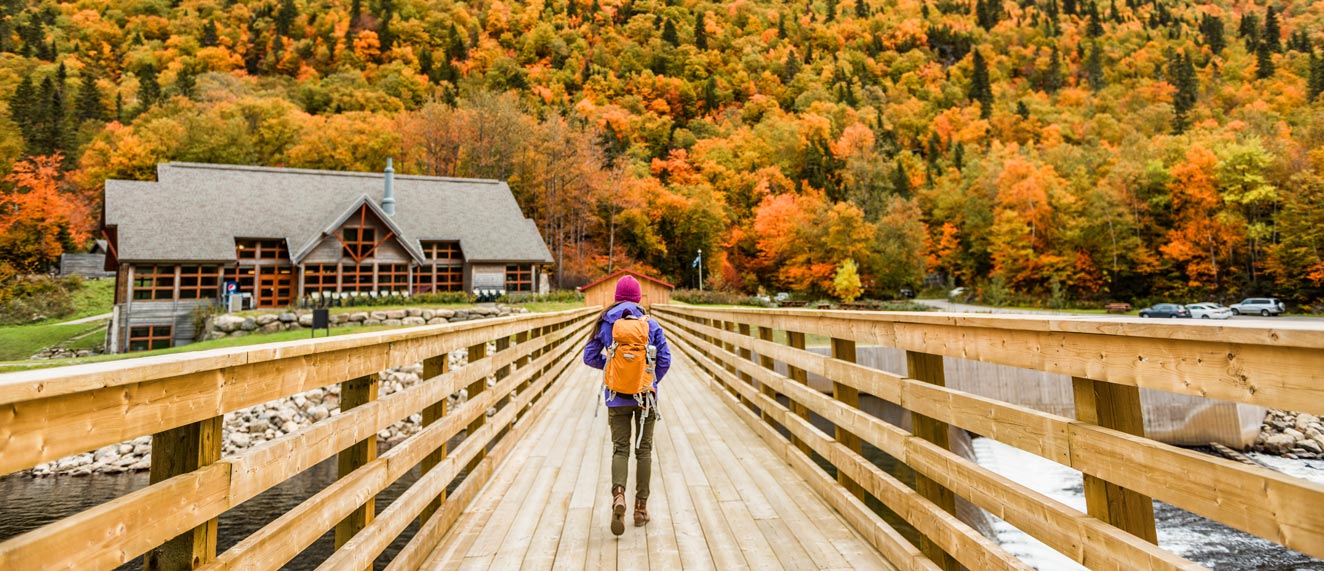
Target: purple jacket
{"x":593,"y":356}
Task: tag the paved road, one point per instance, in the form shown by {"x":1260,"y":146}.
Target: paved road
{"x":944,"y":305}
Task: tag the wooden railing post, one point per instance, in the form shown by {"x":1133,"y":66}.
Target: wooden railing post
{"x":844,"y":349}
{"x":765,"y":333}
{"x":1116,"y":407}
{"x":433,"y":367}
{"x":521,"y":338}
{"x":476,"y":388}
{"x":796,"y":340}
{"x":929,"y":369}
{"x":174,"y":452}
{"x":357,"y":392}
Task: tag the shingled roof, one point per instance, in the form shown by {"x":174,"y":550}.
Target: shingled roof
{"x":195,"y":211}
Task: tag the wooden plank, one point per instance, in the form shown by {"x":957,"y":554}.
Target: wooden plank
{"x":433,"y":367}
{"x":551,"y":523}
{"x":58,"y":420}
{"x":946,"y":531}
{"x":1248,"y":364}
{"x":180,"y":451}
{"x":1116,"y":407}
{"x":476,"y":352}
{"x":690,"y":540}
{"x":928,"y":368}
{"x":844,"y":350}
{"x":796,"y":340}
{"x":356,"y":392}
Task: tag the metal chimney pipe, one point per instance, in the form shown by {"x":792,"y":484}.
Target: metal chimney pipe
{"x":388,"y":201}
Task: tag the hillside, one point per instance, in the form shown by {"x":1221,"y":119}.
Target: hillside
{"x":1060,"y":148}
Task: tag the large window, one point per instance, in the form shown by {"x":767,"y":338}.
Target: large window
{"x":359,"y":242}
{"x":153,"y":282}
{"x":260,"y":249}
{"x":393,"y":277}
{"x":199,"y":282}
{"x":149,"y":337}
{"x":428,"y":279}
{"x":443,"y":251}
{"x":356,"y":277}
{"x":245,"y":277}
{"x":519,"y":277}
{"x":319,"y":278}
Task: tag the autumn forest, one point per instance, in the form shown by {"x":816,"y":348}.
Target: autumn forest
{"x":1087,"y":150}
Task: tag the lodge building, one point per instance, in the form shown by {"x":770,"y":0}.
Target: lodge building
{"x":279,"y":235}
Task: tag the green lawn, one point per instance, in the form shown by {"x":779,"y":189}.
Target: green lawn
{"x":22,"y":341}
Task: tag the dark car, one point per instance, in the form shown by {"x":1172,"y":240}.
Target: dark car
{"x":1166,"y":310}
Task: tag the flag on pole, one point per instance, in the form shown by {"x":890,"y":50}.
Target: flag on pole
{"x":696,"y":261}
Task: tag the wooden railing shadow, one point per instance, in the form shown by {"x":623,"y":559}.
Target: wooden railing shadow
{"x":180,"y":400}
{"x":1109,"y":361}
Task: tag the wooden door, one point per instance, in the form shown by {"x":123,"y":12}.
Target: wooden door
{"x":275,"y":287}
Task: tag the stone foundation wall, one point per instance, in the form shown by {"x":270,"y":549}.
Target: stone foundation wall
{"x":228,"y":325}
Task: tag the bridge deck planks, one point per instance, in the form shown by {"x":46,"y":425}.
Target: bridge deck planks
{"x":720,"y":498}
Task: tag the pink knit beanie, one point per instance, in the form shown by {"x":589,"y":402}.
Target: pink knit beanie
{"x":627,"y":289}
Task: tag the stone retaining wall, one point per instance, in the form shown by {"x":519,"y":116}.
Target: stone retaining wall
{"x":230,"y":325}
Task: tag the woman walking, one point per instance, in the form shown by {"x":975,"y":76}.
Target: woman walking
{"x":632,"y":351}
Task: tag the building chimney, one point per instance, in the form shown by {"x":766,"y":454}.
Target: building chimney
{"x":388,"y":201}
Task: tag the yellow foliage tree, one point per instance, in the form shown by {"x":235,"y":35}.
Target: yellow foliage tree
{"x":847,"y":283}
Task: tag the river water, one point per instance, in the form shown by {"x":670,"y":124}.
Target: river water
{"x":28,"y":503}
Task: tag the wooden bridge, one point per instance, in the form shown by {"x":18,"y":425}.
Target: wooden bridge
{"x":745,"y":475}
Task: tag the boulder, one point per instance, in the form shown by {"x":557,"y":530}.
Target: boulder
{"x":371,"y":322}
{"x":214,"y":335}
{"x":228,"y":323}
{"x":306,"y":320}
{"x":239,"y":333}
{"x":378,"y":315}
{"x":249,"y":324}
{"x":1279,"y":443}
{"x":273,"y":327}
{"x":264,"y":319}
{"x":318,"y":412}
{"x":443,"y":313}
{"x":436,"y":321}
{"x":240,"y":440}
{"x":427,"y":314}
{"x":358,"y":316}
{"x":1310,"y":446}
{"x":414,"y":312}
{"x":289,"y":427}
{"x":1304,"y":420}
{"x":395,"y":314}
{"x":413,"y":320}
{"x":391,"y":322}
{"x":288,"y":317}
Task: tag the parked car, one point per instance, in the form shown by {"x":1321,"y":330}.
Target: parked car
{"x":1166,"y":310}
{"x":907,"y":293}
{"x":1265,"y":306}
{"x":958,"y":292}
{"x":1209,"y":311}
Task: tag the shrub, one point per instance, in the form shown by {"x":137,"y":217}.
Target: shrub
{"x":696,"y":297}
{"x":27,"y":299}
{"x":567,"y":295}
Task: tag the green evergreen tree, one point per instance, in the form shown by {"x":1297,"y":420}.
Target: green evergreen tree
{"x":1316,"y":83}
{"x":862,"y":9}
{"x":425,"y":63}
{"x":710,"y":100}
{"x":1272,"y":34}
{"x":149,"y":89}
{"x":386,"y":35}
{"x":1094,"y":28}
{"x":571,"y":10}
{"x":5,"y":31}
{"x":89,"y":107}
{"x":356,"y":12}
{"x":1052,"y":80}
{"x":700,"y":32}
{"x":1249,"y":31}
{"x":285,"y":17}
{"x":1181,"y":73}
{"x":1211,"y":32}
{"x":981,"y":89}
{"x":210,"y":37}
{"x":187,"y":81}
{"x":1022,"y":110}
{"x":1264,"y":68}
{"x":21,"y":108}
{"x":900,"y":180}
{"x":457,"y":49}
{"x":831,"y":10}
{"x":791,"y":68}
{"x":1094,"y":68}
{"x":669,"y":34}
{"x":988,"y":13}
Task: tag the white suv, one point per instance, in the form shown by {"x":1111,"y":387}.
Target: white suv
{"x":1265,"y":306}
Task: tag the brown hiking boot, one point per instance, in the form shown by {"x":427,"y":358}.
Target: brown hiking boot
{"x":640,"y":512}
{"x":618,"y":510}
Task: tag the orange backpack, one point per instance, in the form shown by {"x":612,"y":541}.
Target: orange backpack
{"x":629,"y":369}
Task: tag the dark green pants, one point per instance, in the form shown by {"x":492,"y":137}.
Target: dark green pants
{"x":624,"y":421}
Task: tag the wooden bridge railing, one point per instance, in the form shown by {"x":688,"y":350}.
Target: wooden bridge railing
{"x":180,"y":400}
{"x":1109,"y":360}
